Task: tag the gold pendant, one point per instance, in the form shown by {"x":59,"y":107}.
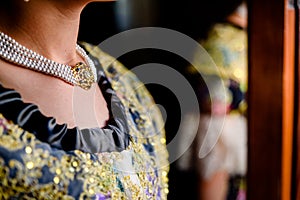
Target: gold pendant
{"x":83,"y":75}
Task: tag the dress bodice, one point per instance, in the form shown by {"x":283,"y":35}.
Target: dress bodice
{"x":125,"y":160}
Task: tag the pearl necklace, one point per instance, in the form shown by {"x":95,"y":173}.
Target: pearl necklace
{"x":81,"y":74}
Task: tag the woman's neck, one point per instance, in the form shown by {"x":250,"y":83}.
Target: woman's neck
{"x":46,"y":27}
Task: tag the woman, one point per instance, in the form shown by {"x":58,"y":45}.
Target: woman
{"x":223,"y":127}
{"x":71,"y":126}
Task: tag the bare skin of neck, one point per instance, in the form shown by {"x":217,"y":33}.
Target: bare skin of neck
{"x":50,"y":28}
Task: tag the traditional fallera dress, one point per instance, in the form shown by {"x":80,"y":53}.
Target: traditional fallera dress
{"x":126,"y":159}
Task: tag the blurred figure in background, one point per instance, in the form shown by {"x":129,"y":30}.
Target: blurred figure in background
{"x":222,"y":168}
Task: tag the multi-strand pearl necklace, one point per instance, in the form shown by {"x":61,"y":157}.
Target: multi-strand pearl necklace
{"x":81,"y":74}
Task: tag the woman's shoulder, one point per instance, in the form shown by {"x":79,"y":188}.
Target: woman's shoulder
{"x":110,"y":64}
{"x":145,"y":120}
{"x":122,"y":80}
{"x":131,"y":91}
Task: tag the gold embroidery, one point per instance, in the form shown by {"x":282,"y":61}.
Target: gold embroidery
{"x":43,"y":174}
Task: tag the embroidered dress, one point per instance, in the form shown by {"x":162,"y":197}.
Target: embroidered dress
{"x":75,"y":164}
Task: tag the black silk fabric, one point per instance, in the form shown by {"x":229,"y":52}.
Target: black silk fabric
{"x":114,"y":137}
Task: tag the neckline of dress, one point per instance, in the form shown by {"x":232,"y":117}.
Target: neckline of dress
{"x":60,"y":136}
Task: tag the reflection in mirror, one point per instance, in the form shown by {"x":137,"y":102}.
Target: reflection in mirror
{"x":221,"y":172}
